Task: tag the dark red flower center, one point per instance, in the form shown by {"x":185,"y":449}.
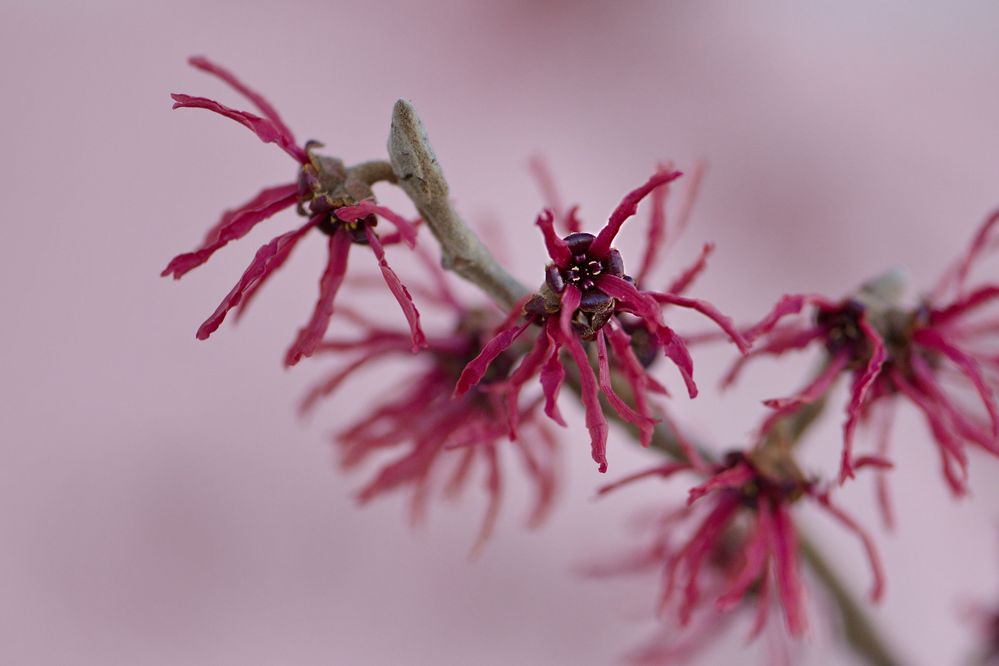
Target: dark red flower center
{"x":761,"y":486}
{"x":843,"y":333}
{"x":323,"y":186}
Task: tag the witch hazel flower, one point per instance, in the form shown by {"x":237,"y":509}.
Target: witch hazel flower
{"x":588,"y":298}
{"x":890,"y":351}
{"x":740,"y":544}
{"x":440,"y":442}
{"x":336,"y":201}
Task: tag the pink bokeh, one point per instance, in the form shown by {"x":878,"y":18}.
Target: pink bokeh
{"x":159,"y":501}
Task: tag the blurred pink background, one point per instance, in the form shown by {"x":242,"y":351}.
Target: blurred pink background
{"x":159,"y":501}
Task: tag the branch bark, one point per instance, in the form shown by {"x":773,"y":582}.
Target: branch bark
{"x":421,"y":177}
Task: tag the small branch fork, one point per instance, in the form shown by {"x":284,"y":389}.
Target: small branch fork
{"x":420,"y":176}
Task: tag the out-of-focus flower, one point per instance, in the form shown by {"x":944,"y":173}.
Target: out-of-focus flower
{"x":441,"y":440}
{"x":587,"y":296}
{"x":335,"y":199}
{"x":892,"y":351}
{"x":734,"y":544}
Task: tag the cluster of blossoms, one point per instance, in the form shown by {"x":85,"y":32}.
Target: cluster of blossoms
{"x":742,"y":547}
{"x":939,"y":354}
{"x":595,"y":328}
{"x":335,"y":200}
{"x":442,"y":439}
{"x":586,"y":296}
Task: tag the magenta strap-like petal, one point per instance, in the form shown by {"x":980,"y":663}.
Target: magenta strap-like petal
{"x":729,"y":479}
{"x":267,"y":260}
{"x":932,"y":339}
{"x":645,"y":424}
{"x":787,"y":305}
{"x":861,"y":386}
{"x":662,"y":471}
{"x":656,"y":234}
{"x":683,"y":281}
{"x":265,"y":130}
{"x":235,"y":224}
{"x":709,"y":311}
{"x":785,"y":549}
{"x":477,"y":367}
{"x":558,"y":249}
{"x":975,"y":299}
{"x":406,"y":229}
{"x":398,"y":289}
{"x":647,"y":309}
{"x":310,"y":335}
{"x":553,"y":373}
{"x":596,"y":423}
{"x":265,"y":107}
{"x":331,"y":383}
{"x":629,"y":204}
{"x":756,"y":552}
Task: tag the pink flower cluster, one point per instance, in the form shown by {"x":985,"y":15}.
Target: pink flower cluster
{"x":592,"y":326}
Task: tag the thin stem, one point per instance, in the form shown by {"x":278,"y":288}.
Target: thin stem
{"x":421,"y":178}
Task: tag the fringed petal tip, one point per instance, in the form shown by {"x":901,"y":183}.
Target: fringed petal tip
{"x":264,"y":128}
{"x":629,"y":204}
{"x":558,"y":249}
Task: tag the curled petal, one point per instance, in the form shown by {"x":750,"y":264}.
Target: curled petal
{"x":265,"y":107}
{"x":596,"y":423}
{"x":782,"y":340}
{"x":406,"y":229}
{"x":662,"y":471}
{"x":656,"y":235}
{"x":788,"y":304}
{"x":958,"y":274}
{"x":398,"y":290}
{"x":932,"y":339}
{"x":788,"y":578}
{"x":948,"y":444}
{"x":700,"y":546}
{"x":647,"y":309}
{"x":817,"y":388}
{"x":265,"y":130}
{"x":975,"y":299}
{"x":310,"y":335}
{"x":558,"y":249}
{"x":553,"y":374}
{"x":629,"y":204}
{"x":733,"y":477}
{"x":477,"y":367}
{"x":709,"y":311}
{"x":528,"y":367}
{"x":925,"y":381}
{"x":687,"y":277}
{"x":756,"y":551}
{"x":268,"y":259}
{"x":861,"y":386}
{"x":235,"y":224}
{"x":331,"y":383}
{"x":645,"y":424}
{"x":810,"y":394}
